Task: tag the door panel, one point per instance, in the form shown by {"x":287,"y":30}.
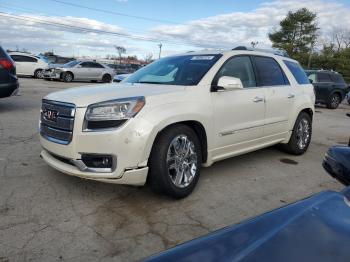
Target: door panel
{"x":279,"y":103}
{"x":279,"y":95}
{"x":239,"y":117}
{"x":239,"y":114}
{"x":83,"y":71}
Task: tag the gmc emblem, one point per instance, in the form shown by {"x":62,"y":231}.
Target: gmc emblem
{"x":50,"y":115}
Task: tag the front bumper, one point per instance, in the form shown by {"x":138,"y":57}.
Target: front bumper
{"x":51,"y":75}
{"x":135,"y":177}
{"x":128,"y":145}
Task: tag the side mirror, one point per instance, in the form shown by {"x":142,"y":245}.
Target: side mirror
{"x":229,"y":83}
{"x":311,"y":81}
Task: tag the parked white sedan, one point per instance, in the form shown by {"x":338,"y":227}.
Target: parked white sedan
{"x":81,"y":70}
{"x":28,"y":64}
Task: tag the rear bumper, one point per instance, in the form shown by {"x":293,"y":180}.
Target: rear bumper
{"x":135,"y":177}
{"x":9,"y":89}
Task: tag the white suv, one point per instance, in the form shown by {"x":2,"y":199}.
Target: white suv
{"x":170,"y":118}
{"x":29,"y":65}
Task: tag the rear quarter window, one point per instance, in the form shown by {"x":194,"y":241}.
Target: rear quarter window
{"x":338,"y":79}
{"x":297,"y":71}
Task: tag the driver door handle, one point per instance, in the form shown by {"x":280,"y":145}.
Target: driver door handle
{"x":258,"y":99}
{"x":291,"y":96}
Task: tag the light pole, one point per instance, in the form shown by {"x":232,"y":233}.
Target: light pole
{"x":160,"y":49}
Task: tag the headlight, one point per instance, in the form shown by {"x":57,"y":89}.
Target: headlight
{"x":113,"y":113}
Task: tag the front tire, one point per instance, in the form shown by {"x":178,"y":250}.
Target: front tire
{"x":175,"y":162}
{"x":333,"y":101}
{"x":67,"y":77}
{"x":301,"y":135}
{"x":39,"y":73}
{"x":106,"y":78}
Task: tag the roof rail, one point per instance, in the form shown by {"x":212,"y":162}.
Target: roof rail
{"x":274,"y":51}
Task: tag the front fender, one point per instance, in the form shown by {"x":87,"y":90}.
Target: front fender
{"x":163,"y":116}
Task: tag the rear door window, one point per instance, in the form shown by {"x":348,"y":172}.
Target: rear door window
{"x":29,"y":59}
{"x":269,"y":72}
{"x":323,"y":78}
{"x":297,"y":71}
{"x":19,"y":58}
{"x":86,"y":65}
{"x":96,"y":65}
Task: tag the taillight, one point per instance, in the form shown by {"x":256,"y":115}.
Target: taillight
{"x":6,"y":63}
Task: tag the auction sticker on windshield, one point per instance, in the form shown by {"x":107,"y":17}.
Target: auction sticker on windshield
{"x":202,"y":57}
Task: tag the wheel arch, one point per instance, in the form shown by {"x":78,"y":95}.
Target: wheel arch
{"x":36,"y":70}
{"x":107,"y":74}
{"x":196,"y":126}
{"x":339,"y":92}
{"x":65,"y":72}
{"x":308,"y":111}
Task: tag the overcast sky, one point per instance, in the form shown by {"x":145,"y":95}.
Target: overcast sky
{"x":180,"y":25}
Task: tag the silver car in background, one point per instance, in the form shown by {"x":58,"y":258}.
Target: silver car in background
{"x":81,"y":71}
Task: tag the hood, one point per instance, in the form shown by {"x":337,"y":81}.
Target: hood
{"x":87,"y":95}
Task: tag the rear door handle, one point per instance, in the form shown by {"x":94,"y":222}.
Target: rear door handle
{"x":258,"y":99}
{"x":291,"y":96}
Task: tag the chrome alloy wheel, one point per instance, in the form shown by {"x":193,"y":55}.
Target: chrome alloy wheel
{"x":303,"y":133}
{"x":181,"y":161}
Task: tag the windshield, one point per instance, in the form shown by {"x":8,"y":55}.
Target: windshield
{"x":176,"y":70}
{"x":44,"y":58}
{"x":71,"y":63}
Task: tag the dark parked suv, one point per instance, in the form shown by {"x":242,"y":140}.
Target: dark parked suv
{"x":330,"y":87}
{"x":8,"y":79}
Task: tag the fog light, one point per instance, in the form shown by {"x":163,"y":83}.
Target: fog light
{"x":97,"y":161}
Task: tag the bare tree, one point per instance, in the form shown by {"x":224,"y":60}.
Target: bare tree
{"x":121,"y":50}
{"x":148,"y":58}
{"x":340,"y":38}
{"x":254,"y":44}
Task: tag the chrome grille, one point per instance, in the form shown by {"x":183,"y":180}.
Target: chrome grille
{"x":57,"y":121}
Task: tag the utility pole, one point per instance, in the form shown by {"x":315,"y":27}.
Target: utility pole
{"x":160,"y":49}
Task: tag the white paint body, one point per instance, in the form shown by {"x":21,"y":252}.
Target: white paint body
{"x":233,"y":122}
{"x":29,"y":67}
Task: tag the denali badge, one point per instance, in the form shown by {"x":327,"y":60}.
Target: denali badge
{"x":50,"y":115}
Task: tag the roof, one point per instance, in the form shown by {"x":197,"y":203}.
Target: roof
{"x":321,"y":70}
{"x":21,"y":53}
{"x":243,"y":50}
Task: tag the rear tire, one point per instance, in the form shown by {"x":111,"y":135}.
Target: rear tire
{"x":38,"y":73}
{"x":175,"y":162}
{"x":106,"y":78}
{"x":333,"y":101}
{"x":301,"y":135}
{"x":67,"y":77}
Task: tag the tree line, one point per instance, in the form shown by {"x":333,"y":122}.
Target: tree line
{"x":300,"y":36}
